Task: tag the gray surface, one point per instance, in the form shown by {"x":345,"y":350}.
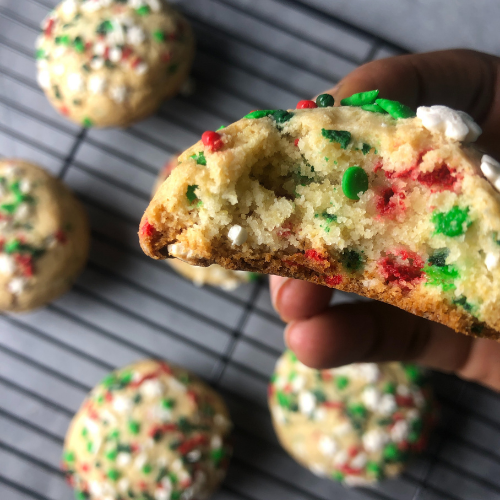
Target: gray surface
{"x":264,"y":53}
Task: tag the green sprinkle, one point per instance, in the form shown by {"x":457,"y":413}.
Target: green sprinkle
{"x":10,"y":208}
{"x":125,"y":379}
{"x":443,"y":276}
{"x":62,"y":40}
{"x":175,"y":495}
{"x":282,"y":116}
{"x":351,"y":260}
{"x":217,"y":456}
{"x":358,"y":410}
{"x":200,"y":158}
{"x":413,"y":373}
{"x":354,"y":181}
{"x":343,"y":137}
{"x":147,"y":469}
{"x":111,"y":455}
{"x":360,"y":99}
{"x":292,"y":356}
{"x":374,"y":469}
{"x":221,"y":127}
{"x":395,"y":108}
{"x":319,"y":395}
{"x":366,"y":148}
{"x":168,"y":403}
{"x":337,"y":475}
{"x":287,"y":401}
{"x":374,"y":108}
{"x":391,"y":453}
{"x":113,"y":474}
{"x":12,"y":246}
{"x":190,"y":193}
{"x":252,"y":277}
{"x":114,"y":434}
{"x":325,"y":101}
{"x":143,"y":11}
{"x":341,"y":382}
{"x":78,"y":44}
{"x":104,"y":27}
{"x":389,"y":388}
{"x":39,"y":54}
{"x":85,"y":432}
{"x":134,"y":427}
{"x":452,"y":223}
{"x":69,"y":456}
{"x":438,"y":258}
{"x":462,"y":301}
{"x":159,"y":36}
{"x":90,"y":446}
{"x":260,"y":113}
{"x":87,"y":122}
{"x":81,"y":495}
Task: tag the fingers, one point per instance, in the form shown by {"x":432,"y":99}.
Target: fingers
{"x":372,"y":332}
{"x":461,"y":79}
{"x":296,"y":299}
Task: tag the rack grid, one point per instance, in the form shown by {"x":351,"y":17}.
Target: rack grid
{"x":251,"y":54}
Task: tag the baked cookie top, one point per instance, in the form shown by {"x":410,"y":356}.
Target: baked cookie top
{"x":150,"y":430}
{"x":100,"y":61}
{"x":44,"y":236}
{"x":356,"y":424}
{"x":365,"y":197}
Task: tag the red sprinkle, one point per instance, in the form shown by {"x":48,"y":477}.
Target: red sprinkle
{"x":192,"y":443}
{"x":126,"y":53}
{"x":404,"y":400}
{"x":306,"y":104}
{"x":402,"y":267}
{"x":296,"y":142}
{"x":147,"y":230}
{"x":333,"y":404}
{"x":388,"y":202}
{"x":85,"y":467}
{"x":378,"y":166}
{"x":108,"y":397}
{"x":25,"y":263}
{"x":60,"y":236}
{"x":49,"y":27}
{"x":212,"y":140}
{"x":350,"y":471}
{"x":64,"y":110}
{"x":442,"y":177}
{"x":315,"y":255}
{"x":333,"y":280}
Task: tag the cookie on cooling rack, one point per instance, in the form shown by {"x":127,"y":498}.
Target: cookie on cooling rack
{"x":149,"y":430}
{"x":213,"y":275}
{"x":356,"y":424}
{"x":44,"y":236}
{"x":111,"y":62}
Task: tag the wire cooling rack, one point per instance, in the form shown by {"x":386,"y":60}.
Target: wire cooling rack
{"x":251,"y":54}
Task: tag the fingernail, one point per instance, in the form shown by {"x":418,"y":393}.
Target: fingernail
{"x":286,"y":334}
{"x":279,"y":283}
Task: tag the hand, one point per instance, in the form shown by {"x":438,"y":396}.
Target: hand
{"x":323,"y":336}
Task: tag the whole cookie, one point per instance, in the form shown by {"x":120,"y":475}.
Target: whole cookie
{"x":213,"y":275}
{"x":148,"y":431}
{"x":356,"y":424}
{"x":44,"y":236}
{"x":111,"y":62}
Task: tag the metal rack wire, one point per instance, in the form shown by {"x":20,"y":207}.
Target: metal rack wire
{"x":264,"y":53}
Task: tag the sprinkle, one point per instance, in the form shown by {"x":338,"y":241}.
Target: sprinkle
{"x":17,"y":285}
{"x":200,"y":158}
{"x":7,"y":265}
{"x":75,"y":82}
{"x":99,"y":48}
{"x":43,"y":79}
{"x":237,"y":234}
{"x":134,"y":427}
{"x":118,"y":93}
{"x":155,"y":5}
{"x":306,"y":105}
{"x":152,"y":388}
{"x":387,"y":405}
{"x":342,"y":137}
{"x":113,"y":474}
{"x":58,"y":69}
{"x":87,"y":122}
{"x":395,"y":108}
{"x":143,"y":11}
{"x":325,"y":101}
{"x":307,"y":402}
{"x":96,"y":84}
{"x":327,"y":446}
{"x":354,"y":181}
{"x":115,"y":54}
{"x":69,"y":7}
{"x":123,"y":459}
{"x":190,"y":195}
{"x":260,"y":113}
{"x":452,"y":223}
{"x":491,"y":170}
{"x":79,"y":45}
{"x":97,"y":63}
{"x":135,"y":35}
{"x":374,"y":440}
{"x":159,"y":36}
{"x":141,"y":68}
{"x":360,"y":99}
{"x":374,"y":108}
{"x":212,"y":141}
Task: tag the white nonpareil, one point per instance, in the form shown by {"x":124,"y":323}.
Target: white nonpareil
{"x":238,"y":235}
{"x":122,"y":404}
{"x":7,"y":265}
{"x":307,"y":402}
{"x":123,"y":485}
{"x":152,"y":388}
{"x":399,"y":431}
{"x":359,"y":461}
{"x":75,"y":82}
{"x":43,"y":78}
{"x":491,"y":170}
{"x":492,"y":260}
{"x":123,"y":459}
{"x":97,"y":84}
{"x":455,"y":125}
{"x":17,"y":285}
{"x":387,"y":405}
{"x":118,"y":93}
{"x":327,"y":446}
{"x":375,"y":440}
{"x":69,"y":7}
{"x":135,"y":35}
{"x":371,"y":397}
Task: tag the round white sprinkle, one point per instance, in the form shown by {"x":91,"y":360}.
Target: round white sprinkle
{"x":140,"y":461}
{"x":121,"y":404}
{"x":117,"y":35}
{"x":162,"y":494}
{"x":341,"y":458}
{"x":492,"y":260}
{"x":43,"y":79}
{"x":118,"y":94}
{"x":374,"y":440}
{"x":97,"y":63}
{"x":193,"y":455}
{"x":327,"y":446}
{"x":96,"y":84}
{"x":359,"y":461}
{"x":238,"y":235}
{"x":23,"y":212}
{"x":58,"y":69}
{"x":123,"y":459}
{"x":403,"y":390}
{"x":7,"y":265}
{"x":17,"y":285}
{"x":135,"y":35}
{"x":399,"y":431}
{"x":371,"y":397}
{"x":141,"y":68}
{"x":369,"y":371}
{"x":455,"y":125}
{"x":99,"y":48}
{"x":154,"y":5}
{"x":115,"y":54}
{"x":387,"y":405}
{"x":59,"y":51}
{"x":75,"y":82}
{"x":298,"y":383}
{"x":215,"y":442}
{"x":307,"y":402}
{"x":152,"y":388}
{"x":96,"y":488}
{"x":123,"y":485}
{"x":69,"y":7}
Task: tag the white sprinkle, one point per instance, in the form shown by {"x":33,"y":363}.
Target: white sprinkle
{"x":59,"y":51}
{"x":123,"y":459}
{"x":140,"y":461}
{"x":117,"y":35}
{"x":69,"y":7}
{"x":43,"y":79}
{"x":455,"y":125}
{"x":99,"y":48}
{"x":359,"y":461}
{"x":141,"y":68}
{"x":298,"y":383}
{"x":118,"y":93}
{"x":279,"y":414}
{"x":121,"y":404}
{"x":491,"y":170}
{"x":92,"y":5}
{"x":387,"y":405}
{"x":238,"y":235}
{"x":96,"y":488}
{"x":7,"y":265}
{"x":17,"y":285}
{"x":166,"y":483}
{"x":369,"y":371}
{"x":135,"y":35}
{"x":123,"y":485}
{"x":75,"y":82}
{"x":215,"y":442}
{"x":341,"y":458}
{"x":154,"y":5}
{"x":193,"y":455}
{"x":371,"y":397}
{"x":97,"y":84}
{"x":492,"y":260}
{"x":58,"y":69}
{"x":42,"y":64}
{"x":161,"y":494}
{"x":318,"y":469}
{"x":374,"y":440}
{"x":22,"y":212}
{"x":327,"y":446}
{"x":319,"y":414}
{"x":307,"y":402}
{"x":403,"y":390}
{"x":152,"y":389}
{"x":136,"y":4}
{"x":115,"y":54}
{"x":399,"y":431}
{"x":177,"y":465}
{"x":108,"y":417}
{"x":97,"y":63}
{"x":342,"y":429}
{"x":93,"y":427}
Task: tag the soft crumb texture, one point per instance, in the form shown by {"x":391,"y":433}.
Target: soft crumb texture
{"x":343,"y":197}
{"x":111,"y":62}
{"x":149,"y":430}
{"x":214,"y":275}
{"x":44,"y":236}
{"x":357,"y":424}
